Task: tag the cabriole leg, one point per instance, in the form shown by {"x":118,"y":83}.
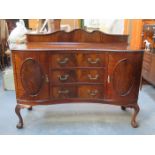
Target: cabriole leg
{"x":135,"y":113}
{"x":17,"y":110}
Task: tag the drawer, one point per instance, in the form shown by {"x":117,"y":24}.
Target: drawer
{"x":144,"y":71}
{"x":147,"y":57}
{"x":92,"y":60}
{"x":62,"y":60}
{"x":63,"y":76}
{"x":91,"y":75}
{"x":91,"y":91}
{"x":146,"y":65}
{"x":64,"y":92}
{"x":145,"y":74}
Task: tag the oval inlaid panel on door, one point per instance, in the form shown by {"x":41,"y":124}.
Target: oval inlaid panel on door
{"x":123,"y":77}
{"x":31,"y":76}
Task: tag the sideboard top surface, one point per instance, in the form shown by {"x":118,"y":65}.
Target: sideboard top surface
{"x":56,"y":46}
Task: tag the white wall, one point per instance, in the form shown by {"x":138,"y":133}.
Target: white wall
{"x":114,"y":26}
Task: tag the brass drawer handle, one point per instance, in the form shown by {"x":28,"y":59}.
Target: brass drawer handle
{"x":63,"y":77}
{"x":93,"y":61}
{"x":109,"y":79}
{"x":62,"y":61}
{"x":93,"y":78}
{"x":93,"y":92}
{"x":63,"y":91}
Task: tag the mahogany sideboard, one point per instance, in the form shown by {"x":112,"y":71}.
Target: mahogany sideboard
{"x":76,"y":66}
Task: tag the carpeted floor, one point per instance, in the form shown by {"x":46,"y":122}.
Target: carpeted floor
{"x":75,"y":119}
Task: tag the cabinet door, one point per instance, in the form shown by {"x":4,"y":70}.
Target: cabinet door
{"x":124,"y":74}
{"x":31,"y":75}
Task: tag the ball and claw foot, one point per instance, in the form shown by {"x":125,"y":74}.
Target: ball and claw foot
{"x":123,"y":108}
{"x":134,"y":124}
{"x":19,"y":125}
{"x":30,"y":108}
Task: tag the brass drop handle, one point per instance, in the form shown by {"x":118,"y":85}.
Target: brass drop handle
{"x":62,"y":61}
{"x":63,"y":91}
{"x":108,"y":79}
{"x":91,"y":61}
{"x":93,"y":78}
{"x":93,"y":92}
{"x":63,"y":77}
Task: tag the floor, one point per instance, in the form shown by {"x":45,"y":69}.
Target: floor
{"x":77,"y":119}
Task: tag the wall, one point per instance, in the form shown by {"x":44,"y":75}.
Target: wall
{"x":112,"y":26}
{"x":73,"y":23}
{"x":33,"y":23}
{"x":133,"y":27}
{"x":136,"y":33}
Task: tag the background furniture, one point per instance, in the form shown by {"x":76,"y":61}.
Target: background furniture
{"x":77,"y":66}
{"x":4,"y":60}
{"x":148,"y":71}
{"x":148,"y":33}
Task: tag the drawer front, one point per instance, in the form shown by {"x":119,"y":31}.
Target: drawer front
{"x":146,"y":65}
{"x":91,"y":92}
{"x":147,"y":57}
{"x":86,"y":92}
{"x":62,"y":60}
{"x":64,"y":92}
{"x":91,"y":75}
{"x":92,"y":60}
{"x":63,"y":76}
{"x":145,"y":74}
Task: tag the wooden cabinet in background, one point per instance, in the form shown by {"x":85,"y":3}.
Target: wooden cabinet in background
{"x":148,"y":71}
{"x":148,"y":33}
{"x":76,"y":66}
